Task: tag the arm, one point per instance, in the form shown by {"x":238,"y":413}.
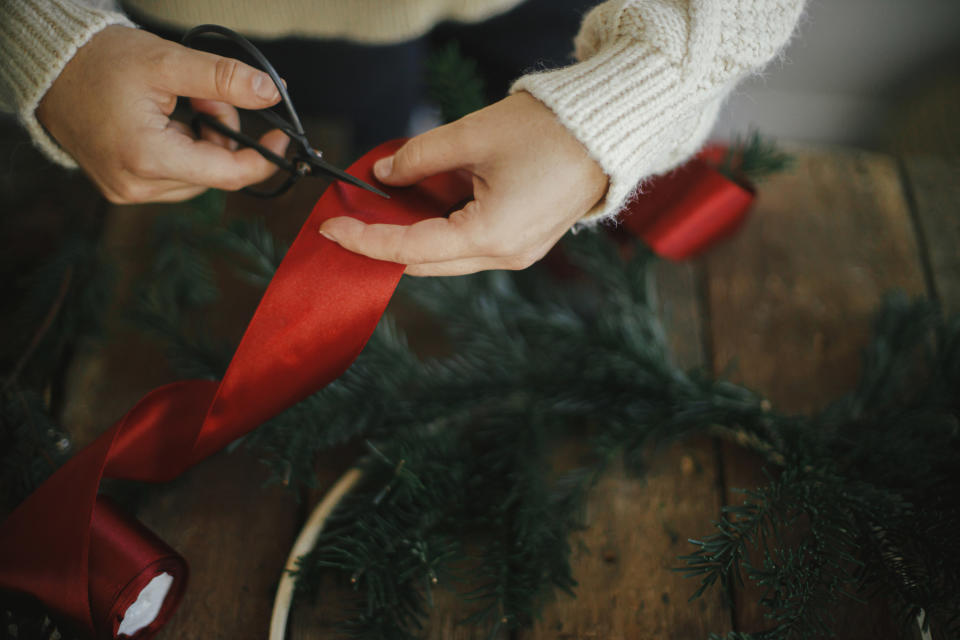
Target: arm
{"x":651,"y":78}
{"x":37,"y":40}
{"x":571,"y":145}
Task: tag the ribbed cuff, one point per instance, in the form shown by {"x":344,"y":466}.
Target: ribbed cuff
{"x":622,"y":104}
{"x":37,"y":40}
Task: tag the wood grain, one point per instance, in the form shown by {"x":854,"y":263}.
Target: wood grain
{"x":790,"y":300}
{"x":43,"y":207}
{"x":624,"y":560}
{"x":934,"y":184}
{"x":792,"y":295}
{"x":234,"y":532}
{"x":637,"y":527}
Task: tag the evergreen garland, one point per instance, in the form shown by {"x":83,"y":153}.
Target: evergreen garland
{"x":64,"y":300}
{"x":61,"y":302}
{"x":750,"y":159}
{"x":459,"y":488}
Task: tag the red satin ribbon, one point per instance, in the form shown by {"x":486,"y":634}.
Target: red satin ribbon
{"x":124,"y":557}
{"x":313,"y":321}
{"x":87,"y":561}
{"x":689,"y":209}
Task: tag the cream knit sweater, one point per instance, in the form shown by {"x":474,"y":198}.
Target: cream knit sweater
{"x":644,"y":95}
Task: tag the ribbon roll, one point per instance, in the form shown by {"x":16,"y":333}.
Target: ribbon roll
{"x":683,"y":212}
{"x":86,"y":561}
{"x":136,"y":580}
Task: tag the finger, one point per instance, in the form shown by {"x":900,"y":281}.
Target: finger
{"x":223,"y":112}
{"x":199,"y":162}
{"x":473,"y":265}
{"x":198,"y":74}
{"x":180,"y":194}
{"x":432,"y":240}
{"x":134,"y":189}
{"x":437,"y":150}
{"x":452,"y":267}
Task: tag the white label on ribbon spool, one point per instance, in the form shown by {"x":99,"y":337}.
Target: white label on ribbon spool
{"x":147,"y":606}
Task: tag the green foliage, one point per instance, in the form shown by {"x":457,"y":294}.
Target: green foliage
{"x":33,"y":446}
{"x":868,"y":492}
{"x":171,"y":298}
{"x":64,"y":301}
{"x":752,"y":158}
{"x":459,"y":491}
{"x":65,"y":298}
{"x":453,"y":83}
{"x":23,"y":619}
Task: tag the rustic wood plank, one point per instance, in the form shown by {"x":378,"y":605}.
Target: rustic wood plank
{"x":109,"y":375}
{"x":933,"y":182}
{"x":637,"y":527}
{"x":322,"y":616}
{"x":624,"y":560}
{"x":792,"y":295}
{"x":42,"y":207}
{"x":234,"y":532}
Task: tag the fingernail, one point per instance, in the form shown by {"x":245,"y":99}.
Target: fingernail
{"x":327,"y":235}
{"x":383,"y":167}
{"x":263,"y":86}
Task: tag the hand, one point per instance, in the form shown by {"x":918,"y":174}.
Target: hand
{"x":110,"y":106}
{"x":532,"y":180}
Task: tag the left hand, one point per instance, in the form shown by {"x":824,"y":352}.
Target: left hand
{"x":532,"y":180}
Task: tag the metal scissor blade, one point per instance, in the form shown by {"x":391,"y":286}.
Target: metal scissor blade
{"x":326,"y":167}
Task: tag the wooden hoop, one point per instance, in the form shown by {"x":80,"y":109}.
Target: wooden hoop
{"x":305,"y":541}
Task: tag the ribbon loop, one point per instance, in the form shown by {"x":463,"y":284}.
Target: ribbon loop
{"x":84,"y":559}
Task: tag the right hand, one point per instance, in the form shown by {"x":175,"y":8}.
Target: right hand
{"x":110,"y":106}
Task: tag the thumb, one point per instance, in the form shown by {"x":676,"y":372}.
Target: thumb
{"x":437,"y":150}
{"x":198,"y":74}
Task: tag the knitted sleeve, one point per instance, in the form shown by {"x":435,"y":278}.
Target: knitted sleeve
{"x":650,"y":79}
{"x":37,"y":39}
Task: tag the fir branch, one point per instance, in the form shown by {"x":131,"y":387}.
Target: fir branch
{"x":67,"y":296}
{"x":463,"y":444}
{"x":42,"y":330}
{"x":752,"y":159}
{"x":33,"y":445}
{"x":453,"y":83}
{"x":256,"y":252}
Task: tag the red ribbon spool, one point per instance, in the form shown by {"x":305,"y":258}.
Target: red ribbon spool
{"x":121,"y":547}
{"x":682,"y":213}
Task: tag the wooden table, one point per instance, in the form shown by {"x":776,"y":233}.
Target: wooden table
{"x":787,"y":303}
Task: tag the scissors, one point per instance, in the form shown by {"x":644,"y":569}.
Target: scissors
{"x":305,"y":160}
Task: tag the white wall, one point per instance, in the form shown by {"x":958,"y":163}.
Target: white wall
{"x":849,"y":64}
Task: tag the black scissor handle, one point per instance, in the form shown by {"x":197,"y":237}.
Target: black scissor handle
{"x":206,"y":120}
{"x":304,"y":161}
{"x":261,"y":60}
{"x":293,"y":128}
